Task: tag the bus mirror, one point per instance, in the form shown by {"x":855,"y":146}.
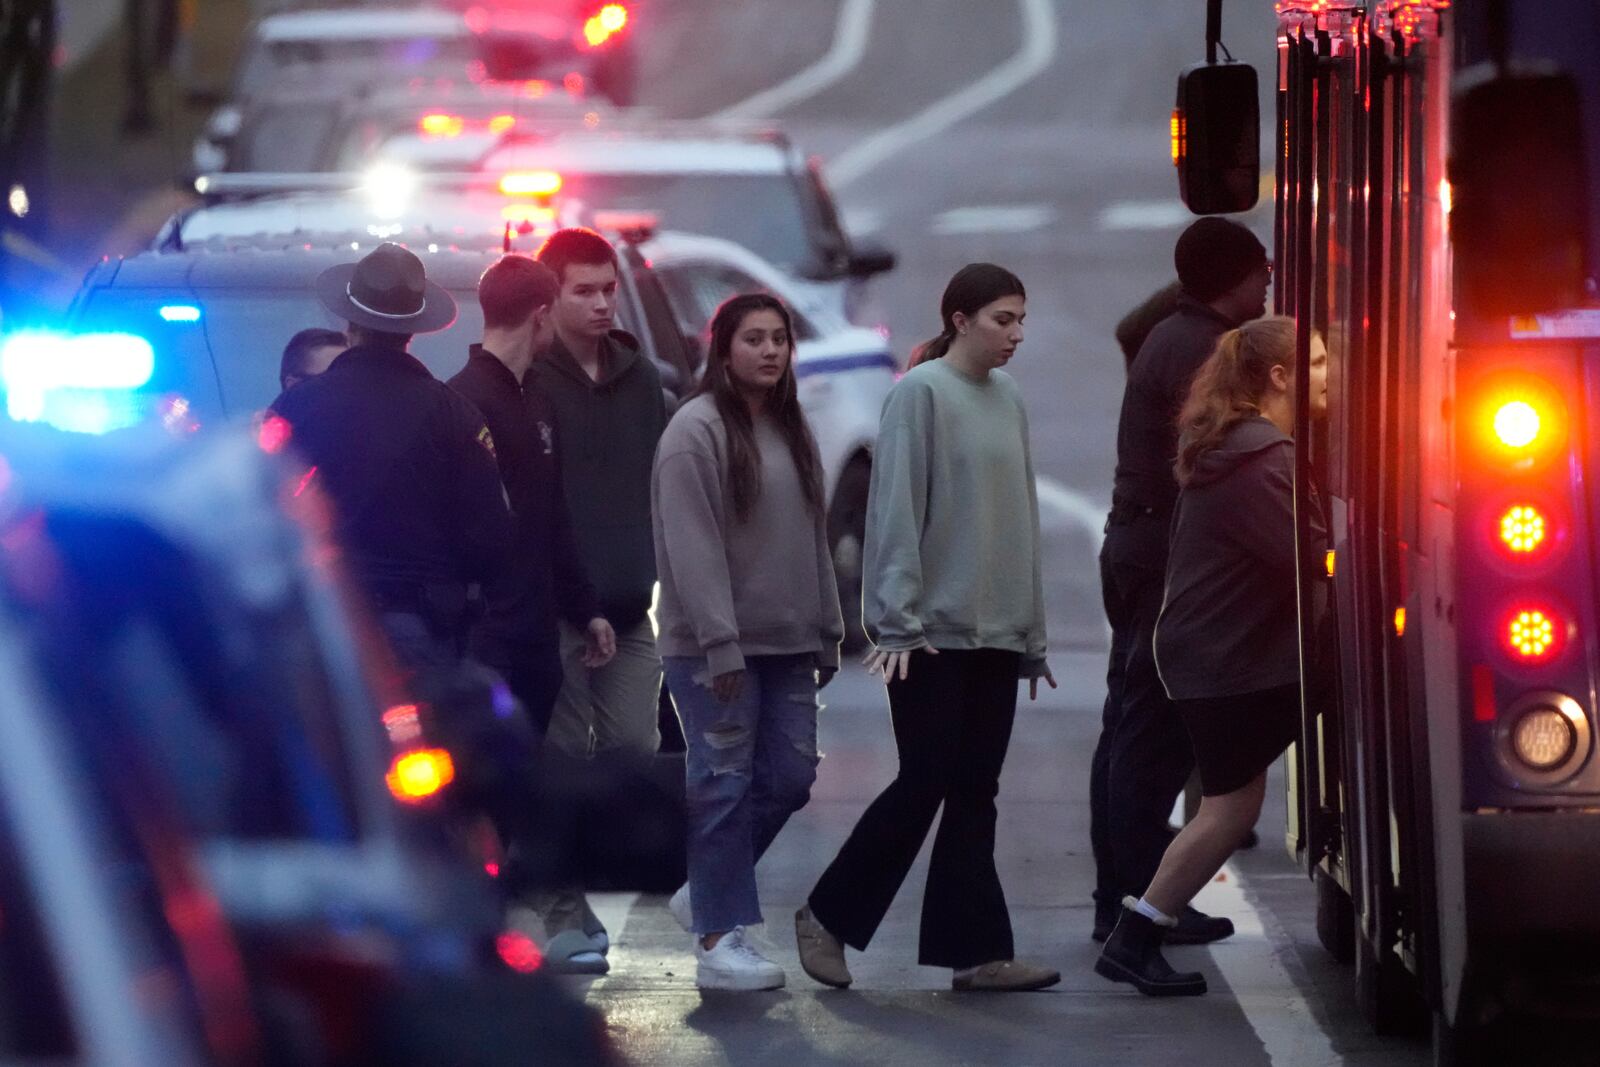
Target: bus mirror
{"x":1518,"y":213}
{"x":1216,"y":138}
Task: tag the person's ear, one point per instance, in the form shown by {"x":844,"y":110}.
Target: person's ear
{"x":960,"y":321}
{"x":1280,"y":377}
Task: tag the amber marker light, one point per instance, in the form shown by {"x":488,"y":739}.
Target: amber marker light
{"x":438,"y":124}
{"x":531,"y":183}
{"x":416,"y":776}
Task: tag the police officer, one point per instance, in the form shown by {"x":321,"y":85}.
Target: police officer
{"x":1144,"y":755}
{"x":407,"y":462}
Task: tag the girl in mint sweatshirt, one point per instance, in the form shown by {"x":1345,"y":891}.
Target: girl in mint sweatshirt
{"x":953,"y":601}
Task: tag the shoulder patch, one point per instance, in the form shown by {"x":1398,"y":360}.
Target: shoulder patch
{"x":486,"y":439}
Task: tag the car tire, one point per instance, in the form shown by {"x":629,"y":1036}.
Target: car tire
{"x":1336,"y":918}
{"x":847,"y":535}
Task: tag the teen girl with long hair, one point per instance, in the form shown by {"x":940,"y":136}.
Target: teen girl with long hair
{"x":954,"y":604}
{"x":749,"y":621}
{"x":1227,"y":640}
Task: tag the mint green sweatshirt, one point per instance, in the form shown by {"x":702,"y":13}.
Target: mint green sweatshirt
{"x":952,"y":552}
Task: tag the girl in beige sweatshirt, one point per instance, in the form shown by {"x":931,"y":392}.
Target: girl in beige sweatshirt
{"x":748,"y":618}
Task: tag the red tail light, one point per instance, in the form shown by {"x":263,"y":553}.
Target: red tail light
{"x":1533,"y":634}
{"x":531,"y":183}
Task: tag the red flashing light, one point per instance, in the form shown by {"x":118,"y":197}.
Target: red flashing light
{"x":502,"y":123}
{"x":605,"y":24}
{"x":519,"y":952}
{"x":274,"y":434}
{"x":403,"y":724}
{"x":1524,"y":531}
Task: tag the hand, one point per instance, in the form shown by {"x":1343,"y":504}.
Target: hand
{"x":727,"y":687}
{"x":887,"y":663}
{"x":599,"y":644}
{"x":825,"y":675}
{"x":1033,"y":683}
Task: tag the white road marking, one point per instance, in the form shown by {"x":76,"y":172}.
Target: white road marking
{"x":1038,"y":49}
{"x":994,"y":218}
{"x":850,"y":37}
{"x":1269,"y":998}
{"x":1077,"y":508}
{"x":1145,"y":215}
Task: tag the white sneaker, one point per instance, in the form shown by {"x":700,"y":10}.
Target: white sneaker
{"x":681,"y":911}
{"x":734,"y":964}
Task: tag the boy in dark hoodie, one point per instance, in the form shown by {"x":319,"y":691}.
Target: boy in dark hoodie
{"x":609,"y":412}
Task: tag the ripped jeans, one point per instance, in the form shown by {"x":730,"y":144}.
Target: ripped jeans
{"x":750,"y":766}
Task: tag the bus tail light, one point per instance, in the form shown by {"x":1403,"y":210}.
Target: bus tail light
{"x":1533,"y":634}
{"x":1525,"y":531}
{"x":605,"y":24}
{"x":1542,"y":738}
{"x":1522,"y":420}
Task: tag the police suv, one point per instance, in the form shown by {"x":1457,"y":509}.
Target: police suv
{"x":228,"y":284}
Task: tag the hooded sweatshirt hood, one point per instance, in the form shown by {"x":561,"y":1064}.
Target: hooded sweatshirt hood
{"x":621,"y":353}
{"x":1229,"y":620}
{"x":1245,"y":439}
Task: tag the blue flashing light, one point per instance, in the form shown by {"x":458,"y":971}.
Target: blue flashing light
{"x":180,"y":313}
{"x":82,"y":382}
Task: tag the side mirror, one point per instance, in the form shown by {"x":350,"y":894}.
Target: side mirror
{"x":867,"y":260}
{"x":1518,"y":211}
{"x":1216,"y":138}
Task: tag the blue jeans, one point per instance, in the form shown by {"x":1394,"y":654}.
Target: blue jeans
{"x":750,"y":766}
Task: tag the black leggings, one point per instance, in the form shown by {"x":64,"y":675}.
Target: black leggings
{"x":952,"y":724}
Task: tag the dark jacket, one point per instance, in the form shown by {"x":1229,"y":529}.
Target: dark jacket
{"x":1229,"y":623}
{"x":608,"y":432}
{"x":409,"y":467}
{"x":544,"y":574}
{"x":1135,"y":326}
{"x":1158,"y":382}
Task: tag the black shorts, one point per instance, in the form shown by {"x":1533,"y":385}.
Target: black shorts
{"x":1237,"y":737}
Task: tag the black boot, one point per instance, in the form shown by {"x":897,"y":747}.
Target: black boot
{"x":1133,"y":955}
{"x":1198,"y":928}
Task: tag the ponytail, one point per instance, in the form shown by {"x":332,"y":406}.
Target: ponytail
{"x":971,"y":289}
{"x":1229,"y":386}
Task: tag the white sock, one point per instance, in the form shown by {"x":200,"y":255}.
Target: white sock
{"x":1151,"y":912}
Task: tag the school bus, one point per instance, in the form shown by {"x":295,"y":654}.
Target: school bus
{"x":1434,"y":221}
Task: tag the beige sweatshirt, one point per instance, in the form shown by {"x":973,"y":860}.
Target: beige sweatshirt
{"x":952,"y":553}
{"x":732,"y":589}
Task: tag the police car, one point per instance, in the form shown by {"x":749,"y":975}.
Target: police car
{"x":229,"y":283}
{"x":749,"y":184}
{"x":389,"y":45}
{"x":296,"y":127}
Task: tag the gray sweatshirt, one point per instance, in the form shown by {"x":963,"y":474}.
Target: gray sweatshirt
{"x":731,"y":589}
{"x":952,"y":552}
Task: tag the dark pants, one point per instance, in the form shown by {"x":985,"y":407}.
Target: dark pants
{"x":531,"y":668}
{"x":1143,"y":756}
{"x":952,"y":724}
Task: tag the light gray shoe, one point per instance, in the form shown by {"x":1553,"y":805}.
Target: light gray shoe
{"x":571,"y":952}
{"x":821,"y":954}
{"x":1004,"y":976}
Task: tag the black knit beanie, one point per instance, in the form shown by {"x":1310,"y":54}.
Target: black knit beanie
{"x":1214,"y":255}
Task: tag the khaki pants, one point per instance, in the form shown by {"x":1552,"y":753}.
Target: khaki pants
{"x":613,"y":708}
